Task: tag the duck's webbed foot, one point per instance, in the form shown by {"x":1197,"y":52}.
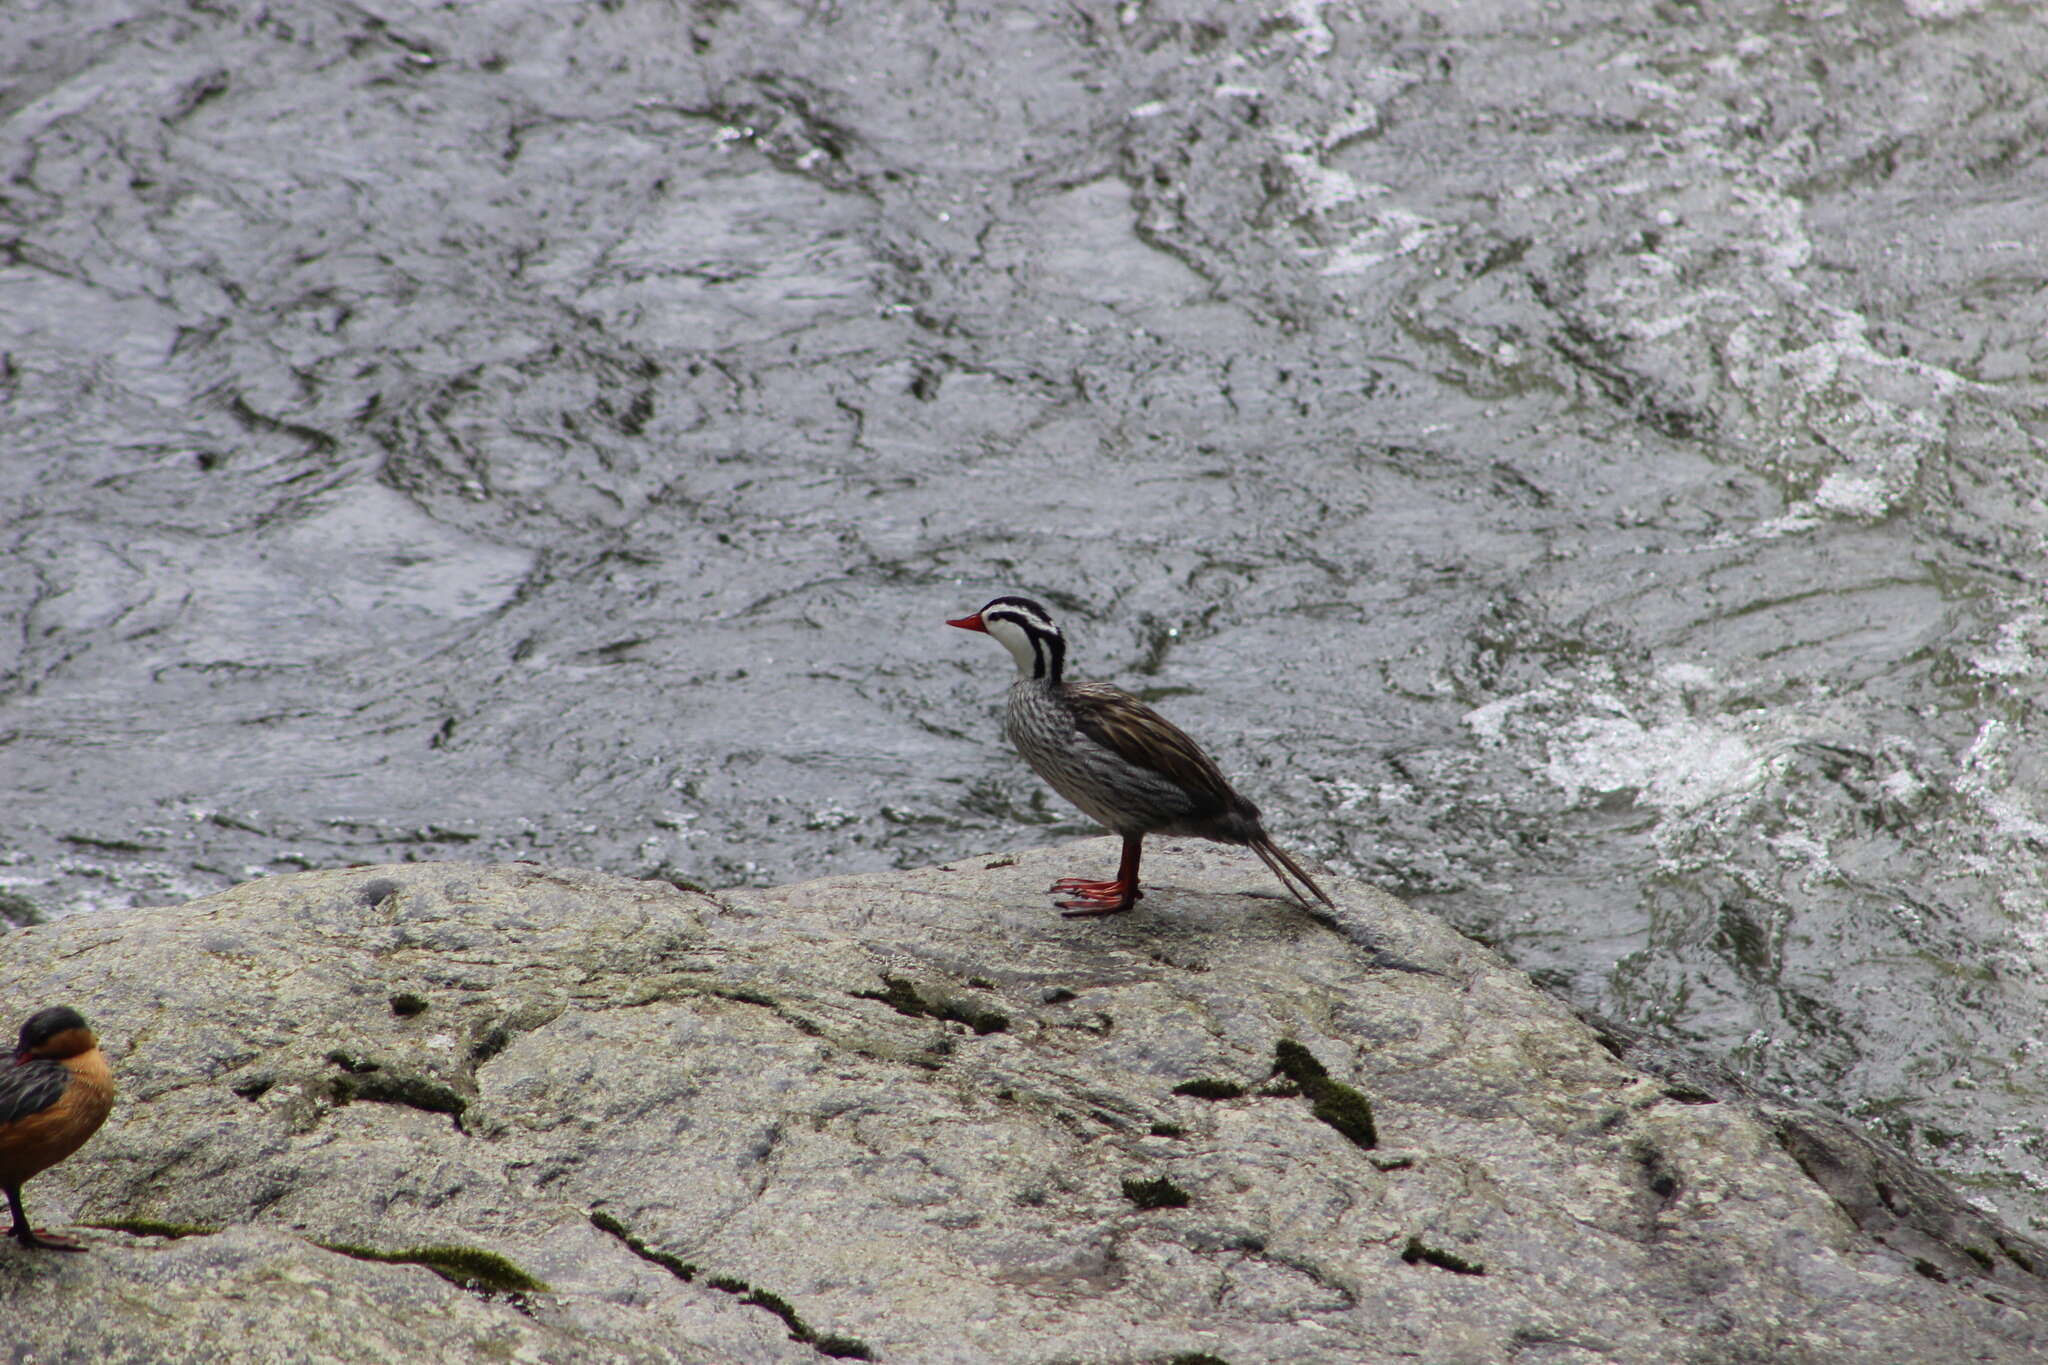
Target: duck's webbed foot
{"x":1095,"y":898}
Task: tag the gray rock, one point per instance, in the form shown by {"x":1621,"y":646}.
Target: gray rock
{"x":921,"y":1115}
{"x":249,"y":1295}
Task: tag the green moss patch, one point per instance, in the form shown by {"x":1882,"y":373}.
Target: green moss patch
{"x":829,"y":1344}
{"x":412,"y":1091}
{"x":845,"y":1348}
{"x":255,"y":1087}
{"x":674,"y":1265}
{"x":1161,"y":1193}
{"x":468,"y":1268}
{"x":150,"y":1227}
{"x":1209,"y":1088}
{"x":1415,"y":1252}
{"x":1334,"y":1102}
{"x":489,"y":1044}
{"x":369,"y":1081}
{"x":903,"y":997}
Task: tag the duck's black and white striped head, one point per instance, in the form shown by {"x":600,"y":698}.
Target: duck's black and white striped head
{"x":1026,"y":629}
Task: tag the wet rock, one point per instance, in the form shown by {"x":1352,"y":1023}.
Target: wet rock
{"x":764,"y":1126}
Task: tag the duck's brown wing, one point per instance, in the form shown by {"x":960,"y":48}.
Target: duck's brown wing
{"x":1133,"y":731}
{"x":29,"y":1089}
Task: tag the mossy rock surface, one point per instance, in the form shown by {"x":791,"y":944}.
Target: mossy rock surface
{"x":763,"y":1127}
{"x":1157,"y":1193}
{"x":468,"y":1267}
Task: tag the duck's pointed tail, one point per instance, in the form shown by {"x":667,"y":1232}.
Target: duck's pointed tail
{"x":1275,"y":857}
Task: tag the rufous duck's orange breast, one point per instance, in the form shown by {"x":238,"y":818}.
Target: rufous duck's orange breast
{"x":35,"y":1142}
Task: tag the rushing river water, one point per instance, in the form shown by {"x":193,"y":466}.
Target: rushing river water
{"x":1580,"y":466}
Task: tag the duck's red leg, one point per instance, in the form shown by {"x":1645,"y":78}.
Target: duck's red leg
{"x":1105,"y":898}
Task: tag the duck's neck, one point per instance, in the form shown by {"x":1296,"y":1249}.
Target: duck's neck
{"x":1047,"y":661}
